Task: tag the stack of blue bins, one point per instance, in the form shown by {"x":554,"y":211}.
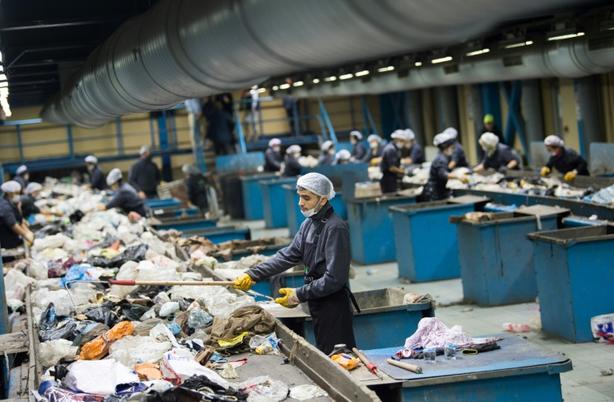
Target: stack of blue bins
{"x":274,"y":201}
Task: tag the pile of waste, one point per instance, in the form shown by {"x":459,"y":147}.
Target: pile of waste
{"x":111,"y":342}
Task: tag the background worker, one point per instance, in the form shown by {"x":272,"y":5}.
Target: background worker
{"x":412,"y":154}
{"x":22,"y":176}
{"x":327,"y":154}
{"x":390,"y":164}
{"x":374,"y":154}
{"x":12,"y":226}
{"x":292,"y":167}
{"x":144,"y":175}
{"x":358,"y":149}
{"x":343,"y":157}
{"x":499,"y":157}
{"x":322,"y":244}
{"x":126,"y":198}
{"x":97,"y":179}
{"x":196,"y":186}
{"x":565,"y":160}
{"x":458,"y":158}
{"x":272,"y":156}
{"x":436,"y":186}
{"x":491,"y":127}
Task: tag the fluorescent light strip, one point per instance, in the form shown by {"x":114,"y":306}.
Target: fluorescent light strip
{"x":298,"y":84}
{"x":275,"y":87}
{"x":441,"y":60}
{"x":418,"y":64}
{"x":261,"y":90}
{"x":385,"y":69}
{"x":284,"y":86}
{"x":566,"y":36}
{"x":519,"y":44}
{"x":478,"y":52}
{"x":330,"y":79}
{"x":346,"y":76}
{"x":316,"y":81}
{"x":362,"y":73}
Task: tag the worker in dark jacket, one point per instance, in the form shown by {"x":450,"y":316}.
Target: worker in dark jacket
{"x":125,"y":198}
{"x":439,"y":174}
{"x":327,"y":154}
{"x":390,"y":164}
{"x":12,"y":227}
{"x":412,"y":154}
{"x":458,"y":158}
{"x":97,"y":179}
{"x":196,"y":185}
{"x":358,"y":149}
{"x":28,"y":206}
{"x":374,"y":154}
{"x":491,"y":127}
{"x":219,"y":124}
{"x":272,"y":156}
{"x":292,"y":167}
{"x":144,"y":175}
{"x":565,"y":160}
{"x":322,"y":244}
{"x":499,"y":157}
{"x":22,"y":176}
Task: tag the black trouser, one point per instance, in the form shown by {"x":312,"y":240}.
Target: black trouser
{"x":389,"y":183}
{"x":332,"y":321}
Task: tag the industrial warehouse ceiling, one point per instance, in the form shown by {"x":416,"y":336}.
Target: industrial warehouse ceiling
{"x":44,"y":41}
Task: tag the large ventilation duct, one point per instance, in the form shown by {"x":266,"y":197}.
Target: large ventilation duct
{"x":571,"y":59}
{"x":186,"y":48}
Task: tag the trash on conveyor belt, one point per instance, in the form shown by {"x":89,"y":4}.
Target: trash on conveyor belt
{"x":115,"y":342}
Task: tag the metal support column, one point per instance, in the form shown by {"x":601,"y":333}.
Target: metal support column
{"x":367,"y":117}
{"x":514,"y":124}
{"x":590,"y":124}
{"x":413,"y":107}
{"x":119,"y":136}
{"x":198,"y":149}
{"x":19,"y":142}
{"x":330,"y":131}
{"x":167,"y":173}
{"x":240,"y":133}
{"x":491,"y":103}
{"x":446,"y":107}
{"x":532,"y":114}
{"x":70,"y":141}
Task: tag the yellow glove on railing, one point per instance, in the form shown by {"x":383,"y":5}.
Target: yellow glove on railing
{"x":545,"y":171}
{"x":289,"y":300}
{"x":569,"y":176}
{"x":243,"y":282}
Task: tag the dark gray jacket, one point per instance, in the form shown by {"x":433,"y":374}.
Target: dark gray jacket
{"x":326,"y":256}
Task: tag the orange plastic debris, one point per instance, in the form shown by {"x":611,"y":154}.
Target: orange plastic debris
{"x":99,"y":347}
{"x":148,"y":371}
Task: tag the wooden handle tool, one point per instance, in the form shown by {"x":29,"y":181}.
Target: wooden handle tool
{"x":370,"y":366}
{"x":406,"y":366}
{"x":132,"y":282}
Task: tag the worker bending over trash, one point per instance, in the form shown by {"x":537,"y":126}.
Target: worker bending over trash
{"x":565,"y":160}
{"x":126,"y":198}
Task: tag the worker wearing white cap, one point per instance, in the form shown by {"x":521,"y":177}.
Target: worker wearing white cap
{"x":499,"y":157}
{"x":272,"y":156}
{"x":197,"y":187}
{"x":28,"y":199}
{"x":145,"y":175}
{"x":327,"y":153}
{"x":125,"y":198}
{"x":412,"y":153}
{"x":390,"y":164}
{"x":322,"y":244}
{"x":374,"y":154}
{"x":458,"y":158}
{"x":292,"y":167}
{"x":22,"y":176}
{"x":358,"y":149}
{"x":12,"y":226}
{"x":97,"y":179}
{"x":343,"y":157}
{"x":439,"y":174}
{"x":565,"y":160}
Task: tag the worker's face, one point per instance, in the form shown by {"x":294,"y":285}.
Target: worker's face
{"x":35,"y":194}
{"x":353,"y":140}
{"x":277,"y":148}
{"x":90,"y":167}
{"x":448,"y":151}
{"x":489,"y":126}
{"x":14,"y":197}
{"x":554,"y":151}
{"x":115,"y":186}
{"x":308,"y":200}
{"x":373,"y":144}
{"x":26,"y":176}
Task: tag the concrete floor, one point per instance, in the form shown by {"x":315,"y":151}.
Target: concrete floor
{"x":583,"y":384}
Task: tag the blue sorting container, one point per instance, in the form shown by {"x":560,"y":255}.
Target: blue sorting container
{"x":371,"y":232}
{"x":497,"y":257}
{"x":575,"y":277}
{"x":220,"y":234}
{"x":575,"y":221}
{"x":385,"y":319}
{"x":274,"y":201}
{"x":288,"y":279}
{"x":171,"y":214}
{"x":186,"y":224}
{"x":293,"y":211}
{"x":252,"y":195}
{"x":425,"y":240}
{"x":162,"y":202}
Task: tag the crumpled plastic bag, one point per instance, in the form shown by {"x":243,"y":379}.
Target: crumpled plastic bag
{"x":32,"y":268}
{"x":81,"y":293}
{"x":15,"y":283}
{"x":51,"y":352}
{"x":168,"y":308}
{"x":307,"y":392}
{"x":79,"y":272}
{"x":52,"y":241}
{"x":99,"y":377}
{"x":179,"y":364}
{"x":50,"y":327}
{"x":98,"y":348}
{"x":264,"y":389}
{"x":102,"y":314}
{"x":132,"y":350}
{"x":198,"y":318}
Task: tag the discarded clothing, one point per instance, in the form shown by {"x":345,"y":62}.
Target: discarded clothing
{"x":252,"y":319}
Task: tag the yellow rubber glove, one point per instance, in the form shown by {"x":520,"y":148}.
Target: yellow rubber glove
{"x":243,"y":282}
{"x":569,"y":176}
{"x":289,"y":300}
{"x":545,"y":171}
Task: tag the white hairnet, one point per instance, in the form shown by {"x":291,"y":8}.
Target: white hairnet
{"x":144,"y":150}
{"x":489,"y":140}
{"x":11,"y":186}
{"x":374,"y":137}
{"x":554,"y":141}
{"x":344,"y":155}
{"x":274,"y":141}
{"x":356,"y":134}
{"x":452,"y":132}
{"x":189,"y":169}
{"x":316,"y":183}
{"x":91,"y":159}
{"x":397,"y":135}
{"x":294,"y":149}
{"x":327,"y":145}
{"x":441,"y":138}
{"x":409,"y":134}
{"x":114,"y":176}
{"x":22,"y":169}
{"x":33,"y":187}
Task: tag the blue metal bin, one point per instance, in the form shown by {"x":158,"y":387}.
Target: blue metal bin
{"x":220,"y":234}
{"x":274,"y":201}
{"x":252,"y":195}
{"x":371,"y":228}
{"x":293,"y":211}
{"x":162,"y":202}
{"x":425,"y":240}
{"x":188,"y":224}
{"x":575,"y":277}
{"x":497,"y":257}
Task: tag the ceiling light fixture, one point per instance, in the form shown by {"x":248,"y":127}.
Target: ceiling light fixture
{"x":519,"y":44}
{"x":330,"y":79}
{"x":566,"y":36}
{"x":275,"y":87}
{"x":316,"y":81}
{"x":385,"y":69}
{"x":362,"y":73}
{"x":441,"y":60}
{"x":298,"y":84}
{"x":346,"y":76}
{"x":478,"y":52}
{"x":418,"y":64}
